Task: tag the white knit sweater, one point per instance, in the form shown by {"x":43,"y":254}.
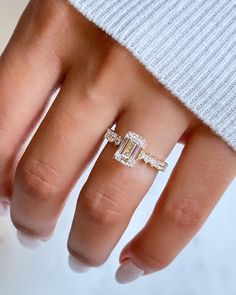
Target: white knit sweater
{"x":188,"y":45}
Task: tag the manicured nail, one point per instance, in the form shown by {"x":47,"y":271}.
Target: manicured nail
{"x":4,"y":207}
{"x":128,"y":272}
{"x":76,"y":265}
{"x":28,"y":241}
{"x":45,"y":239}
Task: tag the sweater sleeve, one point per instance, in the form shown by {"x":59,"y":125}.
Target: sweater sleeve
{"x":189,"y":46}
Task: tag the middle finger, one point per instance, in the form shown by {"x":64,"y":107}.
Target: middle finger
{"x":60,"y":150}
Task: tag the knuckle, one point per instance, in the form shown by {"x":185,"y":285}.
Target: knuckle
{"x":102,"y":207}
{"x":38,"y":180}
{"x":35,"y":16}
{"x":184,"y":213}
{"x":46,"y":35}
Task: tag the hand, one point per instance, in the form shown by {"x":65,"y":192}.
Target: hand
{"x":101,"y":83}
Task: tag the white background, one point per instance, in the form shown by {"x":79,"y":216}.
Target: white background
{"x":206,"y":266}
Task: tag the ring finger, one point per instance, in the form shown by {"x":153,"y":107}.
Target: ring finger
{"x":113,"y":191}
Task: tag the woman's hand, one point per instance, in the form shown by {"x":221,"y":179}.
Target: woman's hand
{"x":101,"y":83}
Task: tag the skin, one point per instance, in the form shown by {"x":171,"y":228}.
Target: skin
{"x":101,"y":83}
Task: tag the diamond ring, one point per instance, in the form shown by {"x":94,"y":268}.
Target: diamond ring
{"x":132,"y":148}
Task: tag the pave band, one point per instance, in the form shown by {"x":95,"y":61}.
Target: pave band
{"x":132,"y":148}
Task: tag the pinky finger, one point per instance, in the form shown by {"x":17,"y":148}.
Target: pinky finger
{"x":205,"y":169}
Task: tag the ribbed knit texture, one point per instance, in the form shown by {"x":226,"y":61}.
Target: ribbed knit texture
{"x":188,"y":45}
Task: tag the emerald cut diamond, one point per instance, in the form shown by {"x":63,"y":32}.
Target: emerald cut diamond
{"x":130,"y":148}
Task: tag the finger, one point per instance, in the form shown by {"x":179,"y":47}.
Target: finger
{"x":29,"y":72}
{"x":60,"y":150}
{"x":113,"y":191}
{"x":203,"y":172}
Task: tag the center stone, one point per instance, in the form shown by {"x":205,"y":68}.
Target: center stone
{"x":129,"y":149}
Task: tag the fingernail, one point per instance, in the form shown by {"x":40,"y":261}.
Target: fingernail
{"x":4,"y":207}
{"x":128,"y":272}
{"x":45,"y":239}
{"x":76,"y":265}
{"x":28,"y":241}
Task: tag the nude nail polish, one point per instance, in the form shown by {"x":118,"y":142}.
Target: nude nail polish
{"x":28,"y":241}
{"x":47,"y":238}
{"x":76,"y":265}
{"x":128,"y":272}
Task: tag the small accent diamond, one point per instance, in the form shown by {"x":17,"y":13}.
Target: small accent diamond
{"x":111,"y":136}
